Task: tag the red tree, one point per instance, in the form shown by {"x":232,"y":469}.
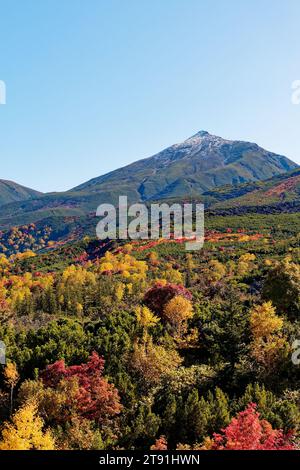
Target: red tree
{"x":97,"y":399}
{"x":160,"y":444}
{"x":248,"y":432}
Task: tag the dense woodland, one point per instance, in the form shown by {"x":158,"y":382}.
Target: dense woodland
{"x":144,"y":345}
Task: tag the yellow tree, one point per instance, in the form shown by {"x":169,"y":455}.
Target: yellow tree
{"x":264,"y":321}
{"x":245,"y":263}
{"x":215,"y":271}
{"x":11,"y":378}
{"x":172,"y":275}
{"x":153,"y":259}
{"x":145,"y":318}
{"x":177,"y":311}
{"x":25,"y":432}
{"x":268,"y":343}
{"x":120,"y":291}
{"x":4,"y":264}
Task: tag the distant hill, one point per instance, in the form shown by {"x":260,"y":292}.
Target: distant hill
{"x":13,"y":192}
{"x":194,"y":168}
{"x":278,"y":194}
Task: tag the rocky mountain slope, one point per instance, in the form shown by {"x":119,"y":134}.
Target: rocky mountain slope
{"x":192,"y":167}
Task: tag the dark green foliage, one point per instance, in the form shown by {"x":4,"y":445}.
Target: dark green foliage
{"x":282,"y":286}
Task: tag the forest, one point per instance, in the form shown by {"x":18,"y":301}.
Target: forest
{"x":142,"y":345}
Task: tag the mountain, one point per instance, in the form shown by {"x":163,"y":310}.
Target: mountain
{"x":13,"y":192}
{"x":192,"y":168}
{"x":202,"y":162}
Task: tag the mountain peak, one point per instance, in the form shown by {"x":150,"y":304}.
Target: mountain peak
{"x":202,"y":134}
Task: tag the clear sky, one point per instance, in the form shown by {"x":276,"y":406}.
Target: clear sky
{"x":93,"y":85}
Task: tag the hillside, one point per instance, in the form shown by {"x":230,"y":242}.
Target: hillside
{"x":195,"y":167}
{"x":281,"y":193}
{"x":256,"y":206}
{"x":13,"y":192}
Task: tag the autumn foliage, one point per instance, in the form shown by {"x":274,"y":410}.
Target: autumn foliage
{"x":248,"y":432}
{"x":160,"y":444}
{"x":96,"y":398}
{"x":160,"y":294}
{"x":26,"y":432}
{"x":142,"y":346}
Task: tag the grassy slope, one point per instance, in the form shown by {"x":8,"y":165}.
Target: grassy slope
{"x":276,"y":191}
{"x":13,"y":192}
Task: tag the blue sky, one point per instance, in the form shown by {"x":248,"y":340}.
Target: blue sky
{"x":93,"y":85}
